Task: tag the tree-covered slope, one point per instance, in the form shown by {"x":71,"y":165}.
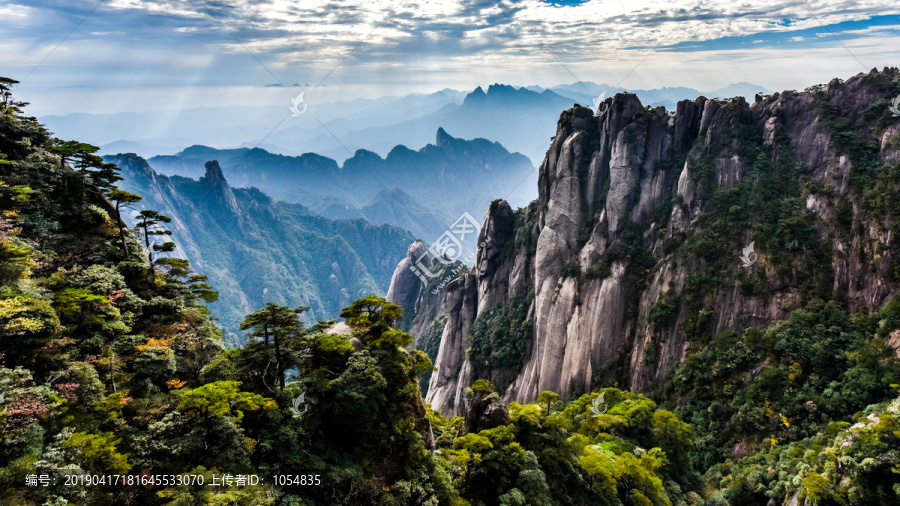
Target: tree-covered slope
{"x":255,"y":250}
{"x":772,"y":408}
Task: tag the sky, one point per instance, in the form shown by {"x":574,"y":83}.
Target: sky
{"x":131,"y":55}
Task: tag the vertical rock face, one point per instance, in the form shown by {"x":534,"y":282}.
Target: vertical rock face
{"x":633,"y":249}
{"x":405,"y":285}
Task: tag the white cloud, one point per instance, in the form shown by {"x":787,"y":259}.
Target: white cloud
{"x":431,"y":44}
{"x":14,"y":12}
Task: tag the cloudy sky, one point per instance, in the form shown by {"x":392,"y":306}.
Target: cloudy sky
{"x":131,"y":55}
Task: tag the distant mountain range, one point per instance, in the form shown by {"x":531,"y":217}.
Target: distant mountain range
{"x":584,"y":92}
{"x":518,"y":118}
{"x":422,"y":191}
{"x":390,"y":206}
{"x":255,"y":250}
{"x":514,"y":117}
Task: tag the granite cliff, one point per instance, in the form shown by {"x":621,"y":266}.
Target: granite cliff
{"x":655,"y":231}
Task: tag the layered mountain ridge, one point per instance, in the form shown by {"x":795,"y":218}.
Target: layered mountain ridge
{"x":256,"y":250}
{"x":654,"y":233}
{"x":526,"y":113}
{"x":422,"y":191}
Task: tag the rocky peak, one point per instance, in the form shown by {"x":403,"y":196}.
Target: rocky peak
{"x":133,"y":166}
{"x":219,"y":189}
{"x":624,"y":202}
{"x":405,"y":283}
{"x":475,"y":97}
{"x":214,"y":173}
{"x":498,"y":229}
{"x":486,"y":411}
{"x":443,"y":139}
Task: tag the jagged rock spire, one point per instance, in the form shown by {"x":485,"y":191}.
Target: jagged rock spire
{"x":219,"y":188}
{"x":214,"y":173}
{"x":443,"y":139}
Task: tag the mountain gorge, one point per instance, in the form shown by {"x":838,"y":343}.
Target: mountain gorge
{"x":631,"y":258}
{"x":256,"y":250}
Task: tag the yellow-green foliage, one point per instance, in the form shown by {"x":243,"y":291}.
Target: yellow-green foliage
{"x":483,"y":385}
{"x":20,"y":315}
{"x":223,"y":398}
{"x":75,"y":300}
{"x":334,"y":343}
{"x":525,"y":413}
{"x":97,"y":453}
{"x":571,"y":453}
{"x":844,"y":464}
{"x":627,"y":475}
{"x":26,"y":324}
{"x":15,"y":261}
{"x":473,"y":443}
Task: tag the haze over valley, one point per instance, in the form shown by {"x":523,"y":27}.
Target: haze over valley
{"x":377,"y":125}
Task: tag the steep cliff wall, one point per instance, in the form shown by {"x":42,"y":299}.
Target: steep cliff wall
{"x":655,"y":230}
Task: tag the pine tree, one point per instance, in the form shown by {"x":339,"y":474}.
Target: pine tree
{"x":279,"y":323}
{"x":83,"y":158}
{"x":148,"y":221}
{"x":180,"y":274}
{"x":123,"y":200}
{"x":8,"y":105}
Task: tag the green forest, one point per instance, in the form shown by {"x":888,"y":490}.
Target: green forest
{"x":116,"y":387}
